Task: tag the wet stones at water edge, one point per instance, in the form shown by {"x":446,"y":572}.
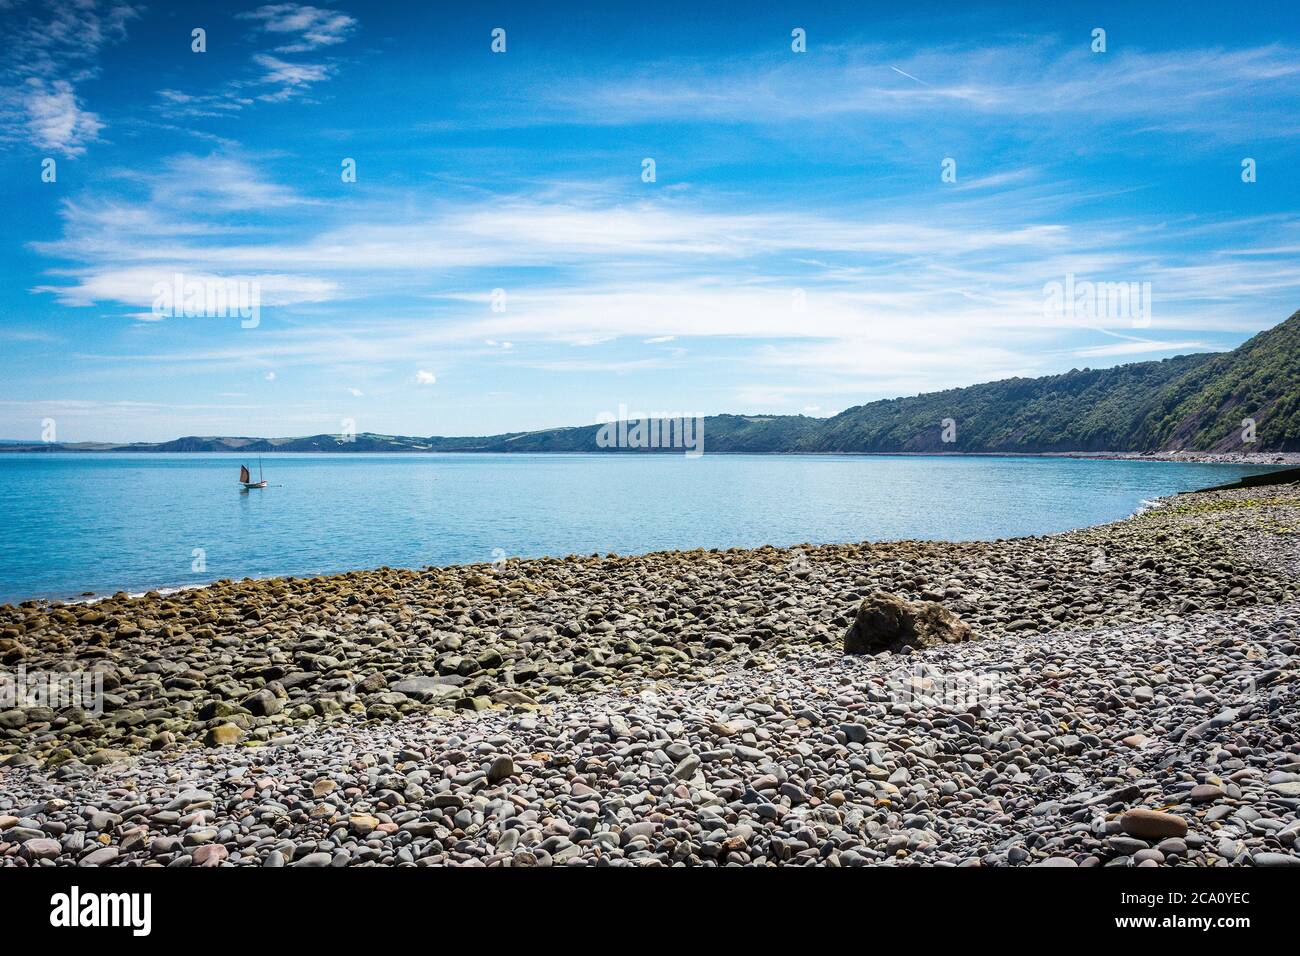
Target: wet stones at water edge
{"x":887,"y":622}
{"x":692,"y":709}
{"x":239,"y":664}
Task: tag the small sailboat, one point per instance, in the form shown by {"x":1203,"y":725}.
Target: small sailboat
{"x":246,"y":479}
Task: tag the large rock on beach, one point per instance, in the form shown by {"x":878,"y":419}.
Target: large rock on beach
{"x":429,"y":688}
{"x":223,"y":734}
{"x":1152,"y":824}
{"x":247,"y":662}
{"x":887,"y":622}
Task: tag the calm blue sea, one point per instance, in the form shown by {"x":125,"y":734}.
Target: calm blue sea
{"x":71,"y":523}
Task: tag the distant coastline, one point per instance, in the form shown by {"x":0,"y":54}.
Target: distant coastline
{"x":257,"y":446}
{"x":1237,"y":406}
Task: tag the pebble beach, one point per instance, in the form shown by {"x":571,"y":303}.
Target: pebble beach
{"x":1130,"y":697}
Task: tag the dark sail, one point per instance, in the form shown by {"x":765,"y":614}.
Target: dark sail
{"x":243,"y":474}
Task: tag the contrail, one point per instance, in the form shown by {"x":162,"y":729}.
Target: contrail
{"x":909,"y":76}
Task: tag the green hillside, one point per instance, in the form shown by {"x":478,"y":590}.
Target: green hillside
{"x":1190,"y":402}
{"x":1260,"y":379}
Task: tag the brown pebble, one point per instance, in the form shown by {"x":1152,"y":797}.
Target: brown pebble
{"x":1152,"y":824}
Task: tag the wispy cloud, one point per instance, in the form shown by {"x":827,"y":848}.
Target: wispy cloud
{"x":272,"y":78}
{"x":1193,"y":90}
{"x":799,"y":249}
{"x":135,"y":287}
{"x":307,"y":27}
{"x":50,"y":51}
{"x":950,"y":294}
{"x":1143,"y":347}
{"x":55,"y":118}
{"x":288,"y":78}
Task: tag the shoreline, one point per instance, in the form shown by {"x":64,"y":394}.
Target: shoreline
{"x":1207,"y":458}
{"x":602,"y":696}
{"x":1269,"y":458}
{"x":79,"y":598}
{"x":1145,"y":505}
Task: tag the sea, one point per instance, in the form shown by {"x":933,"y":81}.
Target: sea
{"x":73,"y":525}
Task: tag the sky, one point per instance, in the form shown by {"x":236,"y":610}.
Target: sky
{"x":650,"y":207}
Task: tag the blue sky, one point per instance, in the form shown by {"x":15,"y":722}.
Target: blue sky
{"x":798,"y":251}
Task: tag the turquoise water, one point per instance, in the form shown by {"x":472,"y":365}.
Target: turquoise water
{"x":71,"y":523}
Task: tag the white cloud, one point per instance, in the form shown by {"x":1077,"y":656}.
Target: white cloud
{"x":1209,"y":90}
{"x":290,"y":77}
{"x":304,"y":29}
{"x":135,"y":287}
{"x":528,"y":232}
{"x":56,"y":119}
{"x":917,"y":292}
{"x":1141,"y":348}
{"x":311,"y":27}
{"x":355,"y":392}
{"x":48,"y":52}
{"x":425,"y":378}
